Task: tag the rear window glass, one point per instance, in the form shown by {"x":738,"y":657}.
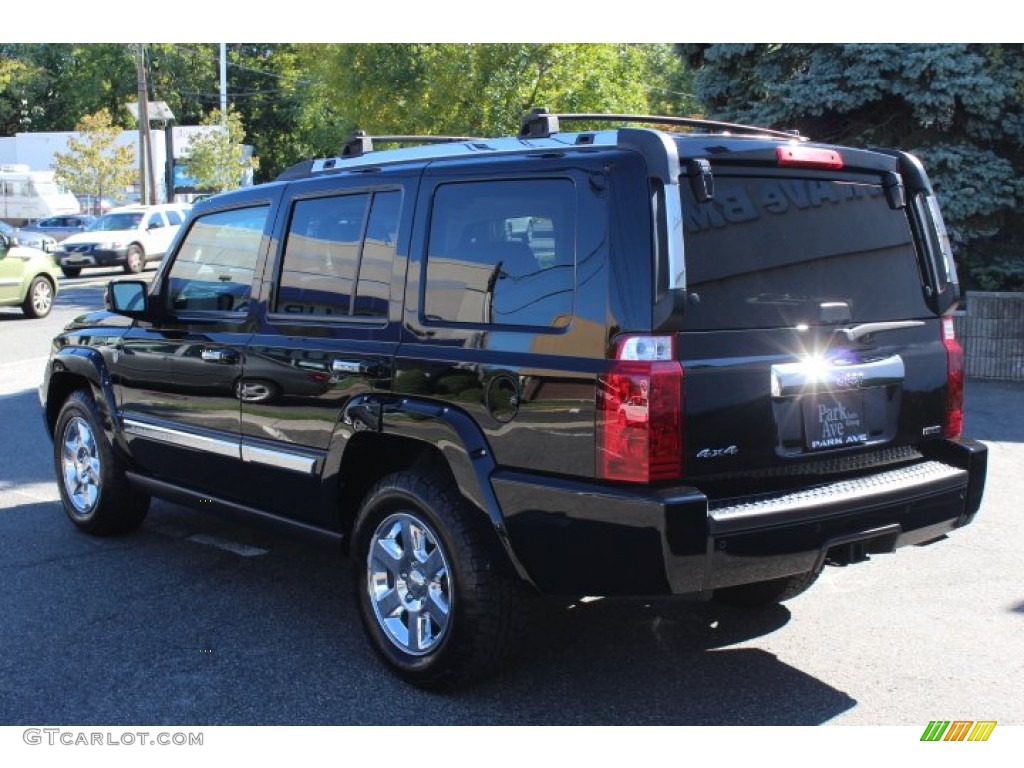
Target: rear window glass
{"x":773,"y":251}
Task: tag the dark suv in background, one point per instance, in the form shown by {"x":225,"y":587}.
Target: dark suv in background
{"x":627,"y":361}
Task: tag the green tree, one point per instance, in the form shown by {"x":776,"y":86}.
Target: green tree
{"x":483,"y":89}
{"x":94,"y":163}
{"x":56,"y":85}
{"x":270,"y":88}
{"x":217,"y":159}
{"x":959,"y":107}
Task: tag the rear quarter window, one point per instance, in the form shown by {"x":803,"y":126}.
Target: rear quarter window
{"x":502,"y":253}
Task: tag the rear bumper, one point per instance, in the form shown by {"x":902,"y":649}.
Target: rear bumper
{"x":578,"y":538}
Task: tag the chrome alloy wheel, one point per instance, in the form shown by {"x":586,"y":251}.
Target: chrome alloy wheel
{"x":409,"y":584}
{"x":42,"y":297}
{"x":80,"y":466}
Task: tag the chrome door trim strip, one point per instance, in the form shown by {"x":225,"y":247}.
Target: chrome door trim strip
{"x":272,"y":457}
{"x":183,"y":439}
{"x":279,"y":459}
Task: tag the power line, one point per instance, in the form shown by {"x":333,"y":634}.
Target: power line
{"x":214,"y":58}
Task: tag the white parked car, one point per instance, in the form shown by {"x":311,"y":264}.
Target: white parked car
{"x":634,"y":411}
{"x":127,"y":237}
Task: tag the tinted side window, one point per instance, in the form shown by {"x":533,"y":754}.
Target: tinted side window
{"x":174,"y":217}
{"x":374,"y":287}
{"x":338,"y":256}
{"x":216,"y":261}
{"x":321,"y":255}
{"x":502,"y":253}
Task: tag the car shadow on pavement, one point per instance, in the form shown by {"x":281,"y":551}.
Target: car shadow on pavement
{"x":664,"y":662}
{"x":186,"y":631}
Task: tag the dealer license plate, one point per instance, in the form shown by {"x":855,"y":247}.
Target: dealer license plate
{"x":834,"y":420}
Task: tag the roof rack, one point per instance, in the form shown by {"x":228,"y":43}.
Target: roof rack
{"x":541,"y":124}
{"x":359,"y":142}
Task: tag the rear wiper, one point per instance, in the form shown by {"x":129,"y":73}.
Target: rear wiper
{"x":869,"y":329}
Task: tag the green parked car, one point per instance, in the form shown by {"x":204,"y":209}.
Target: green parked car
{"x":28,"y":278}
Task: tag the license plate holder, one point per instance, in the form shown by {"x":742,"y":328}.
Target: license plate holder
{"x":834,"y":420}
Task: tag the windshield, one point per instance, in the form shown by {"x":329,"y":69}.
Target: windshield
{"x":114,"y":221}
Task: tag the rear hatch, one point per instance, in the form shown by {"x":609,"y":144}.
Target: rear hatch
{"x":811,"y":334}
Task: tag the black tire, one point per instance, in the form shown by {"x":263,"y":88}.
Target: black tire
{"x":135,"y":260}
{"x":762,"y":593}
{"x":436,"y":594}
{"x":90,"y":475}
{"x":39,"y":299}
{"x":71,"y":271}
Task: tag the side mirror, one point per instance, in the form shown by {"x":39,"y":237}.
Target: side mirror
{"x":127,"y":297}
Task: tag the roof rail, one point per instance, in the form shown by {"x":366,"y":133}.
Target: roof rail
{"x":541,"y":124}
{"x":360,"y":142}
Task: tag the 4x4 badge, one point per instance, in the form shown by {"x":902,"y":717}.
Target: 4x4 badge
{"x":714,"y":453}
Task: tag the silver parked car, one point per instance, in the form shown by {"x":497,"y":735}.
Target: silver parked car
{"x":59,"y":227}
{"x":28,"y":239}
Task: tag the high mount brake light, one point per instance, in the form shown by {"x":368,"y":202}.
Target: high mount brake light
{"x":954,"y":380}
{"x":640,"y":412}
{"x":809,"y":157}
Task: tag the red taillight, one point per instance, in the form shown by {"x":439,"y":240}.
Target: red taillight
{"x":640,"y":413}
{"x":954,"y":380}
{"x":809,"y":157}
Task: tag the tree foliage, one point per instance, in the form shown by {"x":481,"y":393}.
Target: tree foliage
{"x":484,"y":89}
{"x":959,"y":107}
{"x":301,"y":100}
{"x":217,"y":159}
{"x":56,"y":85}
{"x":94,"y":164}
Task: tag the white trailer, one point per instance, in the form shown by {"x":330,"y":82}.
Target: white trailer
{"x":27,"y":195}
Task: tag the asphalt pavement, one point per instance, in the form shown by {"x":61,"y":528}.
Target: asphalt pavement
{"x":195,"y":620}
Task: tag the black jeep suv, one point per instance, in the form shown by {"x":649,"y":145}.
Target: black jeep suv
{"x":612,"y":362}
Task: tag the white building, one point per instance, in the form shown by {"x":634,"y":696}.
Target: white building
{"x":36,"y":150}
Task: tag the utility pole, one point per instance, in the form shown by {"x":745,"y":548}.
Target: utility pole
{"x":224,"y":83}
{"x":143,"y":123}
{"x":147,"y":179}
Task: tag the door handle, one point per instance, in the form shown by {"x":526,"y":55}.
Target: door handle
{"x":223,"y":356}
